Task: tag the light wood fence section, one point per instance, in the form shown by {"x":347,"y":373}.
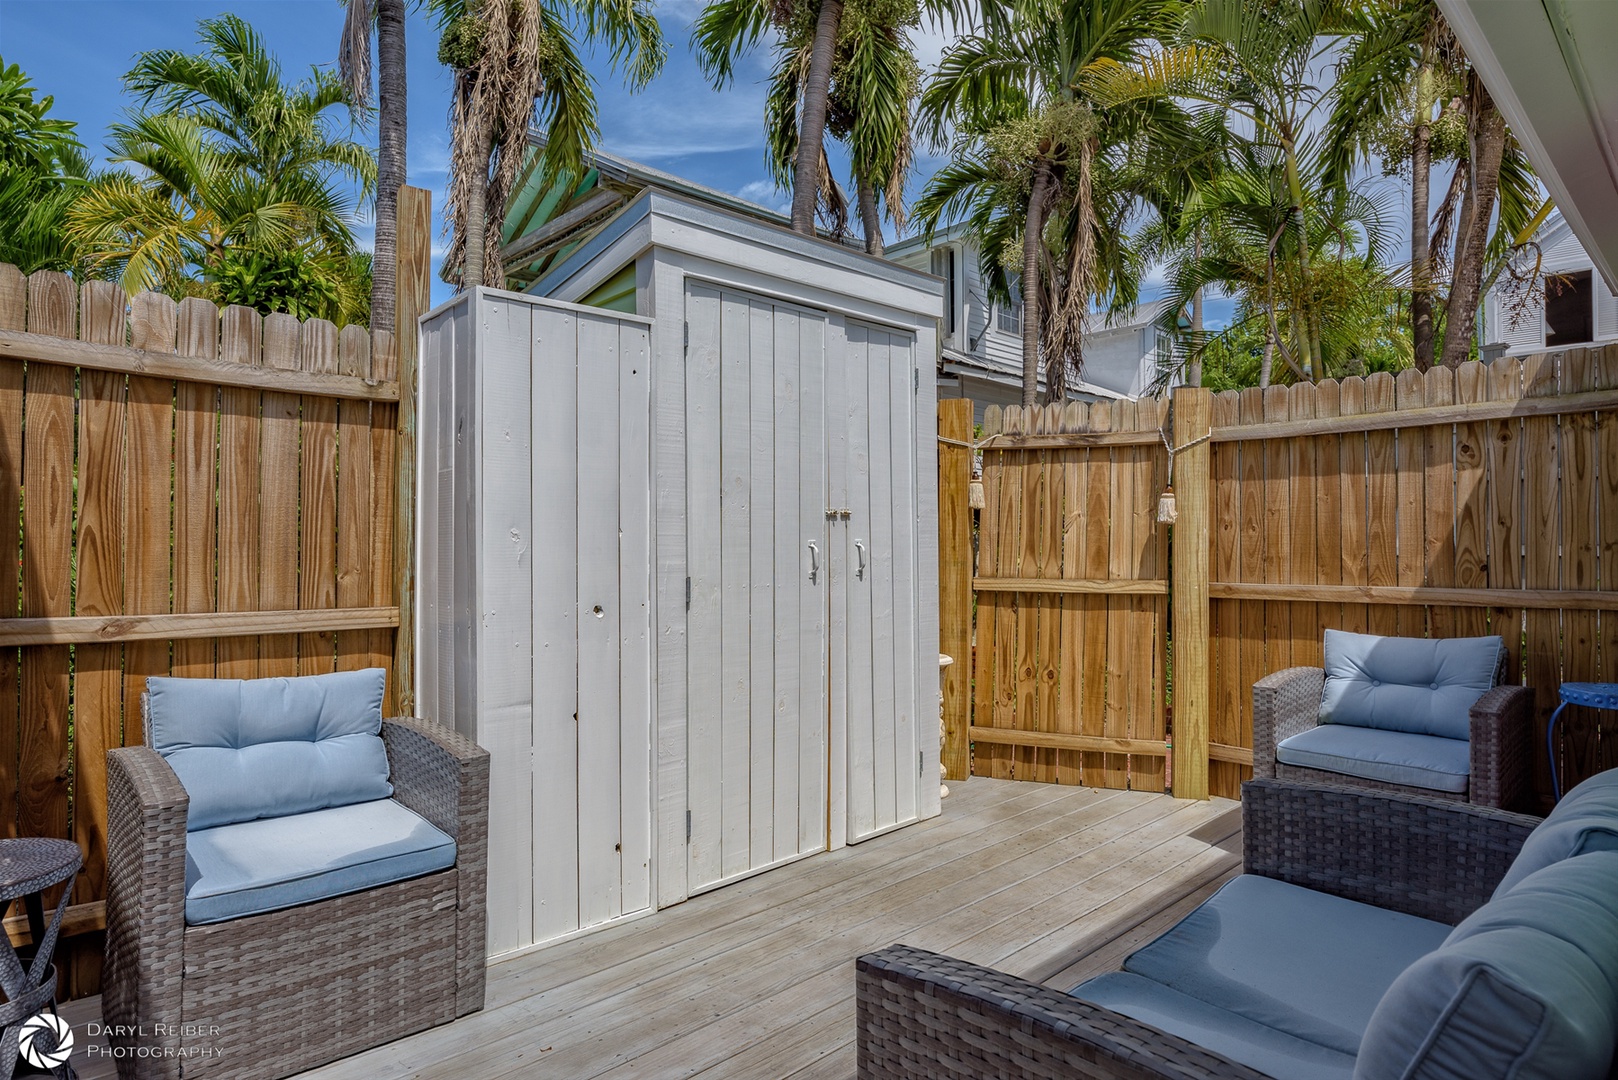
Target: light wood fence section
{"x":182,"y":490}
{"x":1072,"y":596}
{"x":1482,"y":500}
{"x":1452,"y":503}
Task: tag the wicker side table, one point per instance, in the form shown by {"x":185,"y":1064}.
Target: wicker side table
{"x":29,"y":866}
{"x":1595,"y":695}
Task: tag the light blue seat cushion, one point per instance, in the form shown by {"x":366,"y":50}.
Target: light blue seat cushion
{"x":1305,"y":963}
{"x":1395,"y":757}
{"x":1271,"y":1052}
{"x":264,"y":748}
{"x":1585,"y":820}
{"x":263,"y":865}
{"x":1526,"y":987}
{"x":1425,"y":686}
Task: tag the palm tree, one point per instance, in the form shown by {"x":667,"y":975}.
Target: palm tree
{"x":842,"y":69}
{"x":42,"y":172}
{"x":516,"y":61}
{"x":1026,"y":150}
{"x":1254,"y":60}
{"x":225,"y":155}
{"x":354,"y":64}
{"x":1244,"y":213}
{"x":1391,"y":78}
{"x":870,"y":102}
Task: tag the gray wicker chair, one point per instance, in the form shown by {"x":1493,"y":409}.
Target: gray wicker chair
{"x":1287,"y":703}
{"x":273,"y":994}
{"x":922,"y":1015}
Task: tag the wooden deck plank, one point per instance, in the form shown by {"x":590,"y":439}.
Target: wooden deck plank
{"x":756,"y":979}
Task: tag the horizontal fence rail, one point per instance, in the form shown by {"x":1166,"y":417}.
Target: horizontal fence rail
{"x":187,"y":491}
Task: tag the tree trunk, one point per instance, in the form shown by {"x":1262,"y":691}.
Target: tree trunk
{"x":390,"y":163}
{"x":1033,"y":232}
{"x":1310,"y":345}
{"x":1193,"y":374}
{"x":1487,"y":145}
{"x":812,"y":124}
{"x":870,"y":220}
{"x":1266,"y":365}
{"x":477,"y":219}
{"x":1421,"y":169}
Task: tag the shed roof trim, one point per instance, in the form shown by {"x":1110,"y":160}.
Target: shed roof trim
{"x":662,"y":204}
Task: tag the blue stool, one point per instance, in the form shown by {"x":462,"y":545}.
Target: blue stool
{"x":1596,"y":695}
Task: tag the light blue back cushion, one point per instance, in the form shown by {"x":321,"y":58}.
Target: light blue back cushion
{"x":1585,"y":820}
{"x":263,"y":748}
{"x":1525,"y":987}
{"x":1425,"y":686}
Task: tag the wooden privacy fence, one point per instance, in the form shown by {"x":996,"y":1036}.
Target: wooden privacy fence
{"x":1449,"y":503}
{"x":183,"y":491}
{"x":1072,"y":596}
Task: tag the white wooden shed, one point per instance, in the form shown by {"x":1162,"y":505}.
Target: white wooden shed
{"x":678,"y":568}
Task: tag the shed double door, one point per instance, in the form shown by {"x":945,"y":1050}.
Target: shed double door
{"x":791,"y":627}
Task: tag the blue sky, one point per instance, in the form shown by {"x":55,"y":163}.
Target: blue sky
{"x":78,"y":50}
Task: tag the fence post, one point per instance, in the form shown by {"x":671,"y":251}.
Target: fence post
{"x":955,"y":578}
{"x":414,"y":290}
{"x":1193,"y":411}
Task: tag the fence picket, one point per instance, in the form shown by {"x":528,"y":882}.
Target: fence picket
{"x":278,"y":491}
{"x":1607,"y":532}
{"x":1542,"y":542}
{"x":46,"y":573}
{"x":1070,"y":764}
{"x":1438,"y":502}
{"x":196,"y":485}
{"x":241,"y":342}
{"x":98,"y":669}
{"x":1382,"y":495}
{"x":1100,"y":770}
{"x":1278,"y":529}
{"x":1580,"y":662}
{"x":1410,"y":472}
{"x":13,"y":316}
{"x":984,"y":647}
{"x":317,"y":562}
{"x":1227,"y":702}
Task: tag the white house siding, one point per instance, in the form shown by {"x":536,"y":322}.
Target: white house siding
{"x":1523,"y":332}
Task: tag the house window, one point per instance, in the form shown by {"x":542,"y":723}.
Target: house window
{"x":1008,"y":317}
{"x":1568,"y":309}
{"x":944,"y":267}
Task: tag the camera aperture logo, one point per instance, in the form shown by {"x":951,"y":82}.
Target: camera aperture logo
{"x":46,"y":1041}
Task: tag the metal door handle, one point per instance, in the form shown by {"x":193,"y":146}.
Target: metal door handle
{"x":814,"y":560}
{"x":859,"y":549}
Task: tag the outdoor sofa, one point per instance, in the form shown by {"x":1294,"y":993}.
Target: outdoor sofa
{"x":1372,"y":935}
{"x":291,"y":878}
{"x":1426,"y":716}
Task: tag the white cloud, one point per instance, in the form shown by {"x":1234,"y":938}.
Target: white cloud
{"x":767,"y":195}
{"x":429,"y":154}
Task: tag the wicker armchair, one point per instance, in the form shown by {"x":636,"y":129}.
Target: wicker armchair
{"x":268,"y":995}
{"x":922,"y":1015}
{"x":1287,"y":703}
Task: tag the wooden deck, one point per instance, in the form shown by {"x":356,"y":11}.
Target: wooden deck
{"x":756,"y":980}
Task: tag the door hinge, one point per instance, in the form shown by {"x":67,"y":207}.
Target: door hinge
{"x":688,"y":826}
{"x":688,"y":594}
{"x":916,"y":373}
{"x":921,"y":762}
{"x":688,"y":339}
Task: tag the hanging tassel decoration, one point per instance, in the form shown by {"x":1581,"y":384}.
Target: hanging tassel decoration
{"x":1167,"y":512}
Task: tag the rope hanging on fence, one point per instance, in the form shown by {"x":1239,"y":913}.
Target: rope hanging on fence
{"x":1167,"y":512}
